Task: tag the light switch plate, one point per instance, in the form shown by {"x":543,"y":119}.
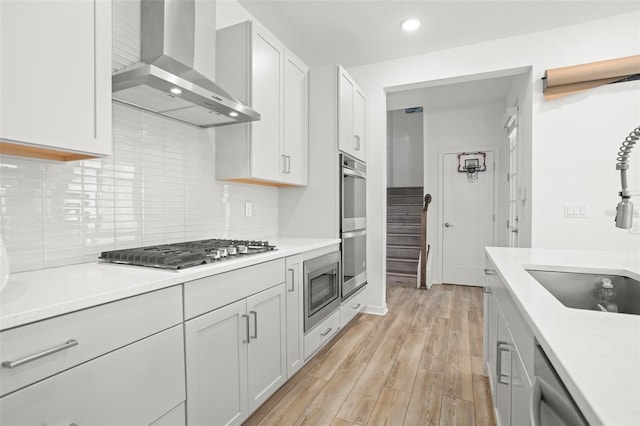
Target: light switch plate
{"x":576,"y":211}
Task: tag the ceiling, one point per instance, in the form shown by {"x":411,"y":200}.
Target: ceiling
{"x":358,"y":32}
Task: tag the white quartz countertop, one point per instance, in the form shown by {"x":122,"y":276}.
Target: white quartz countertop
{"x":597,"y":355}
{"x":36,"y":295}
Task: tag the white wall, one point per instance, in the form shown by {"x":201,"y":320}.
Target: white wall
{"x":405,"y":149}
{"x":587,"y":128}
{"x":159,"y":186}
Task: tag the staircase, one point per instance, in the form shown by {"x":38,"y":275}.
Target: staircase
{"x":404,"y":206}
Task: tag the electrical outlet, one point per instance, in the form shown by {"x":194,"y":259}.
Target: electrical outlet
{"x":248,"y":209}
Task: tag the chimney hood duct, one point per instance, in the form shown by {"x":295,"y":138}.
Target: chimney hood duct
{"x":165,"y":81}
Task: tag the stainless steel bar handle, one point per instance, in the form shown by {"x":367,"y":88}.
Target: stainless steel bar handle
{"x":357,"y":306}
{"x":288,"y":164}
{"x":255,"y":324}
{"x":66,"y":345}
{"x":488,"y":271}
{"x":556,"y":402}
{"x":502,"y":347}
{"x":326,"y":332}
{"x":356,"y":142}
{"x":246,"y":317}
{"x":284,"y":163}
{"x":488,"y":289}
{"x":293,"y":280}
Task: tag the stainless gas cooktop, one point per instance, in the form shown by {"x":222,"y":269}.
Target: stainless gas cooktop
{"x":186,"y":254}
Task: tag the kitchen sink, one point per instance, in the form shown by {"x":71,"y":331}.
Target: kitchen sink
{"x":580,"y":290}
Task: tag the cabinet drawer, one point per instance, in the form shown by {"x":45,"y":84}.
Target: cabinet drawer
{"x":97,"y":330}
{"x":209,"y":293}
{"x":135,"y":385}
{"x":175,"y":417}
{"x":320,"y":335}
{"x":352,"y":306}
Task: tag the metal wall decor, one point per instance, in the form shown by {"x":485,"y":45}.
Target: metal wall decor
{"x":471,"y":163}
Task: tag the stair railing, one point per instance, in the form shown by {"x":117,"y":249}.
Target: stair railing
{"x":424,"y":248}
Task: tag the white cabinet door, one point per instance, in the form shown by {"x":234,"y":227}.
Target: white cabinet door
{"x":267,"y":344}
{"x":267,"y":93}
{"x":295,"y":324}
{"x":134,"y":385}
{"x":351,"y":115}
{"x":216,"y":359}
{"x":258,"y":69}
{"x":296,"y":138}
{"x":346,"y":87}
{"x":503,"y":372}
{"x":55,"y":85}
{"x":520,"y":392}
{"x":358,"y":124}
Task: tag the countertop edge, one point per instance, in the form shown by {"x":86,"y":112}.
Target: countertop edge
{"x":24,"y":299}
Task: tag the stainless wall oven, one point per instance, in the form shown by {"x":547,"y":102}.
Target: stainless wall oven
{"x":353,"y":194}
{"x":353,"y":226}
{"x":354,"y":263}
{"x":321,"y":288}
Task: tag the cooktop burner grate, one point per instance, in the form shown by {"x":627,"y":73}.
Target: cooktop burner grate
{"x":186,"y":254}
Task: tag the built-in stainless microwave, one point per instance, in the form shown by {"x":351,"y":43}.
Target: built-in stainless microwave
{"x":321,"y":288}
{"x":353,"y":194}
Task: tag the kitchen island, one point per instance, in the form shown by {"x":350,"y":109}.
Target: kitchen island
{"x":595,"y":354}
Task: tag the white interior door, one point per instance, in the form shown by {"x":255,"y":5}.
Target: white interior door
{"x":467,"y":225}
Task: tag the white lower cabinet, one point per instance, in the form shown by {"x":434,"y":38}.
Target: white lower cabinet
{"x":295,"y":315}
{"x":136,"y":384}
{"x":235,"y":358}
{"x":506,"y":353}
{"x":352,"y":306}
{"x":321,"y":334}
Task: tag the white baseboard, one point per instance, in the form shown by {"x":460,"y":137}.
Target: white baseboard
{"x":375,"y":310}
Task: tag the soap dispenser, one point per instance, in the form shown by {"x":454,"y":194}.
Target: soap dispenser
{"x":607,"y":297}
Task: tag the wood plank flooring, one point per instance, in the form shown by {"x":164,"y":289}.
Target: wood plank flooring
{"x":421,"y":364}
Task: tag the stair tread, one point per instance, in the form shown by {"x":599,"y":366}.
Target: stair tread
{"x":402,"y":259}
{"x":401,"y":274}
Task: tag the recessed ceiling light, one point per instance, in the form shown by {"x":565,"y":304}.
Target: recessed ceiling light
{"x":410,"y":24}
{"x":175,"y":91}
{"x":233,"y":114}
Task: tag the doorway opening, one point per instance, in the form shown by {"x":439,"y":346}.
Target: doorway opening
{"x":460,"y":115}
{"x":405,"y":177}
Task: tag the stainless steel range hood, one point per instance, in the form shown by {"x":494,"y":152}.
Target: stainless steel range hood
{"x":165,"y":81}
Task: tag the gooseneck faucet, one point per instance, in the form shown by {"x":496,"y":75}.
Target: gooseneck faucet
{"x":624,"y":210}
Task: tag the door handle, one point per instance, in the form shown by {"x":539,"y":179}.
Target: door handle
{"x":502,"y":347}
{"x":287,"y":164}
{"x":356,"y":144}
{"x":246,"y":317}
{"x":448,"y":225}
{"x":255,"y":324}
{"x":293,"y":280}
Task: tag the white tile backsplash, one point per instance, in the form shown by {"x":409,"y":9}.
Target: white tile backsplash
{"x":158,"y":187}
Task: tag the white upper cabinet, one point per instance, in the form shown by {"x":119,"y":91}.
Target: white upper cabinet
{"x":258,"y":70}
{"x":351,"y":110}
{"x":55,"y":85}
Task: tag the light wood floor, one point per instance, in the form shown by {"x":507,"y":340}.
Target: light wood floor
{"x":419,"y":364}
